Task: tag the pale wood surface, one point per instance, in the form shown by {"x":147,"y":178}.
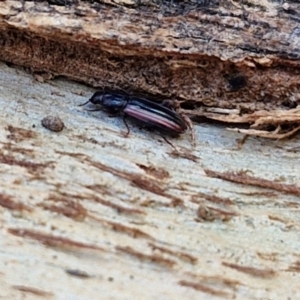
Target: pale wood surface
{"x":125,"y":209}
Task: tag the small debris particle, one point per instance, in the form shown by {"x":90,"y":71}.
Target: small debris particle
{"x":53,"y":123}
{"x":42,"y":76}
{"x":78,"y":273}
{"x":207,"y":213}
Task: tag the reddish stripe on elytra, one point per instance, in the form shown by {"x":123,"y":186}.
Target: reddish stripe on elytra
{"x":154,"y":118}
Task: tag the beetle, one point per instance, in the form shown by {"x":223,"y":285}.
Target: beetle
{"x":151,"y":114}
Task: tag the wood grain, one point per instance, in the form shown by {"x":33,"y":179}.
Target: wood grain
{"x":87,"y":212}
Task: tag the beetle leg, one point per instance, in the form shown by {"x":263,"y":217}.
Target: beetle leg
{"x":112,"y":115}
{"x":189,"y":124}
{"x":168,"y":142}
{"x":128,"y":129}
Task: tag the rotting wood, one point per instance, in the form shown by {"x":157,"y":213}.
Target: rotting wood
{"x":219,"y":59}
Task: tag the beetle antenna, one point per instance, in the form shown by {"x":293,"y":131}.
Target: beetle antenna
{"x":85,"y":103}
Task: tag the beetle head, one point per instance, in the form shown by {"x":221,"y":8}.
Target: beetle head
{"x":97,"y":98}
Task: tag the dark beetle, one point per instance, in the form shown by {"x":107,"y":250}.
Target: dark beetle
{"x":150,"y":114}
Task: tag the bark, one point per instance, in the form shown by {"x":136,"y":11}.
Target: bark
{"x":224,"y":60}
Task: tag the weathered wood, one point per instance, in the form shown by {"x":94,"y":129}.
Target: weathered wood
{"x":219,"y":59}
{"x":87,"y":212}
